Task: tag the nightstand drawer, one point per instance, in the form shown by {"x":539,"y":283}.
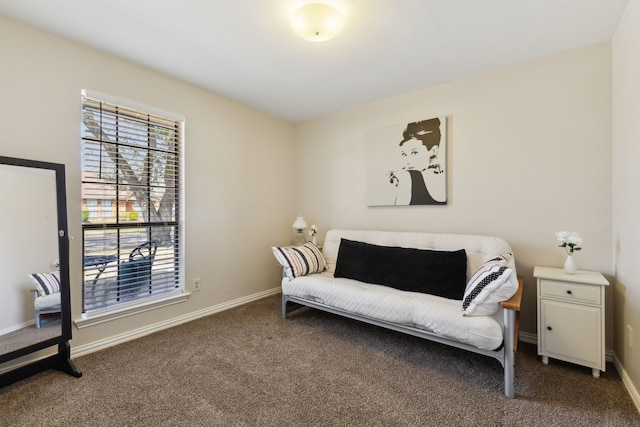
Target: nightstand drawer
{"x":570,"y":291}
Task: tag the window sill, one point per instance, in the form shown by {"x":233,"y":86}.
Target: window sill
{"x":107,"y":315}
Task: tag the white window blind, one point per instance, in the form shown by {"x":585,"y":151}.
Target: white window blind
{"x":131,"y":162}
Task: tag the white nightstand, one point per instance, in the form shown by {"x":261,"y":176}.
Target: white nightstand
{"x":571,"y":317}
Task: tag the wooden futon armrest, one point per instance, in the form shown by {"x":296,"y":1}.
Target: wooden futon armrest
{"x":513,"y":303}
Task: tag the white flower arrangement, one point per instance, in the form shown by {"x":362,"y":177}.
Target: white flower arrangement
{"x":313,"y":230}
{"x":570,"y":241}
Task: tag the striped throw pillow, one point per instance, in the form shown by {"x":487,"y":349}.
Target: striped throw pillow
{"x":488,"y":286}
{"x":46,"y":283}
{"x":300,"y":260}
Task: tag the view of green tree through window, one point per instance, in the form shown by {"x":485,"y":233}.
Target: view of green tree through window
{"x":131,"y":181}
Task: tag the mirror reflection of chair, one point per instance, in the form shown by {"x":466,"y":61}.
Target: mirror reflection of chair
{"x":46,"y":296}
{"x":135,"y":273}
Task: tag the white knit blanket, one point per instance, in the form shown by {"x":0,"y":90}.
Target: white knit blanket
{"x":423,"y":311}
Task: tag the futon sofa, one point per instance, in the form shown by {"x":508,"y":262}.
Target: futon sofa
{"x":459,"y":290}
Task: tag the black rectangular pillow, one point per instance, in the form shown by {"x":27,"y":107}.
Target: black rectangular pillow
{"x":441,"y":273}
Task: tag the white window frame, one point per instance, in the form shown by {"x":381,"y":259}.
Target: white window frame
{"x":119,"y":310}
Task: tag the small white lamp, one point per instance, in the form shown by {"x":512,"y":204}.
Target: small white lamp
{"x":317,"y":22}
{"x":300,"y":225}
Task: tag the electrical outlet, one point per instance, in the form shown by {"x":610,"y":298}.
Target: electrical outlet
{"x":630,"y":335}
{"x":196,"y":284}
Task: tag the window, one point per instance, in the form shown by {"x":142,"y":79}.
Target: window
{"x":106,"y":208}
{"x":131,"y":163}
{"x":92,"y":208}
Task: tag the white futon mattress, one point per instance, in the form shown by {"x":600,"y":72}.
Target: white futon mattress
{"x":431,"y":313}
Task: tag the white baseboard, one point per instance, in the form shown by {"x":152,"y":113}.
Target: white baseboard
{"x":17,"y":327}
{"x":140,"y":332}
{"x":610,"y":356}
{"x":528,"y":338}
{"x":631,"y":388}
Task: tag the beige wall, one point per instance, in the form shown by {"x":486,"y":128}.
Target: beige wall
{"x":529,"y":155}
{"x":28,"y":210}
{"x":626,"y":190}
{"x":238,"y":176}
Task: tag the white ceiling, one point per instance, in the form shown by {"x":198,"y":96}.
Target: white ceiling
{"x":245,"y":51}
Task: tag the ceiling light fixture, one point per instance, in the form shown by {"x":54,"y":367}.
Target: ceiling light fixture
{"x":317,"y":22}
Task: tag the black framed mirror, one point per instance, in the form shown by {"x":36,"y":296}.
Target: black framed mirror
{"x":35,"y":312}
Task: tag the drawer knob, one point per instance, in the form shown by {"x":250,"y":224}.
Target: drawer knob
{"x":549,"y":328}
{"x":569,"y":292}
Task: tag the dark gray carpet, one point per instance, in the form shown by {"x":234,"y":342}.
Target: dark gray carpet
{"x":248,"y":367}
